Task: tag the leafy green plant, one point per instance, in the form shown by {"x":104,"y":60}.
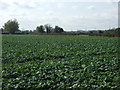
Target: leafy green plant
{"x":59,"y":62}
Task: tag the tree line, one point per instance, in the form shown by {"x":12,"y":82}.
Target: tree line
{"x":114,"y":32}
{"x":12,"y":26}
{"x":49,"y":29}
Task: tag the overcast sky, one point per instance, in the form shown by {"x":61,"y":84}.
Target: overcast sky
{"x":70,"y":14}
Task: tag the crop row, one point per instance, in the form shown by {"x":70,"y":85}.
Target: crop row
{"x":59,"y":62}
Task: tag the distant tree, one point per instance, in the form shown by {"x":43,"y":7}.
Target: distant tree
{"x":11,"y":26}
{"x":100,"y":32}
{"x":91,"y":32}
{"x":118,"y":31}
{"x":40,"y":29}
{"x":48,"y":28}
{"x":58,"y":29}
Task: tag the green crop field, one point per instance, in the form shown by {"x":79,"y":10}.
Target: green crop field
{"x":59,"y":62}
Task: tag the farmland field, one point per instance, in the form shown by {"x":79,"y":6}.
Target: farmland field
{"x":59,"y":62}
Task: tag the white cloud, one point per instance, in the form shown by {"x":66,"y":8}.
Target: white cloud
{"x":79,"y":0}
{"x":31,"y":13}
{"x":32,"y":3}
{"x":3,"y":6}
{"x":75,"y":7}
{"x":60,"y":5}
{"x":8,"y":1}
{"x":49,"y":13}
{"x":91,"y":7}
{"x":12,"y":1}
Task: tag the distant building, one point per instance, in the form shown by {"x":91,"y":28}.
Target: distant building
{"x":82,"y":31}
{"x":4,"y":32}
{"x":18,"y":32}
{"x":94,"y":31}
{"x":0,"y":31}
